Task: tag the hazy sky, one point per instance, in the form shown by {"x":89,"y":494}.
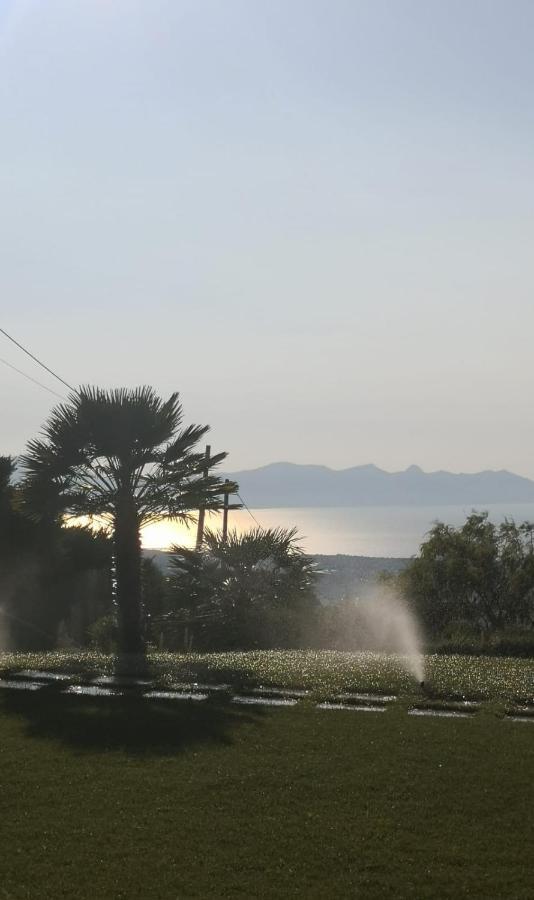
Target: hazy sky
{"x":314,"y":218}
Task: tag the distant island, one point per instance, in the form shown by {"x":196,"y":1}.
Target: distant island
{"x":285,"y":484}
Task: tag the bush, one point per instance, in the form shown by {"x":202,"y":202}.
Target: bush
{"x":479,"y":576}
{"x":102,"y":634}
{"x":501,"y":643}
{"x":247,"y":591}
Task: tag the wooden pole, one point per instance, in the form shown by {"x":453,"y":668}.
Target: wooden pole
{"x":202,"y":511}
{"x":228,"y":488}
{"x":226,"y":506}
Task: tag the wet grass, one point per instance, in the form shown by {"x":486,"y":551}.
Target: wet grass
{"x":126,"y":798}
{"x":321,"y":672}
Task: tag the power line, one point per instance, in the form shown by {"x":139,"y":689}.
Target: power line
{"x":29,"y":377}
{"x":38,"y":361}
{"x":248,"y":510}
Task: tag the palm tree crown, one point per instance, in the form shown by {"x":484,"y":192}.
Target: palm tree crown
{"x":102,"y":446}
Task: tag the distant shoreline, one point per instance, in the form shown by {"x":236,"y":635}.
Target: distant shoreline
{"x":155,"y":551}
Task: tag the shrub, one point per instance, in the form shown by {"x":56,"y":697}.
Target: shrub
{"x":102,"y":634}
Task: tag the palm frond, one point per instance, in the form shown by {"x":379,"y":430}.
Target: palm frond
{"x":103,"y":445}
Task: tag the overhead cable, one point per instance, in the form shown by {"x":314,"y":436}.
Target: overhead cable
{"x":29,"y":377}
{"x":35,"y":359}
{"x":248,"y":510}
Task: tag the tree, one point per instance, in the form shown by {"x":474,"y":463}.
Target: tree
{"x":45,"y":570}
{"x":479,"y":574}
{"x":120,"y":455}
{"x":155,"y":592}
{"x":254,"y":590}
{"x":7,"y":469}
{"x":17,"y":532}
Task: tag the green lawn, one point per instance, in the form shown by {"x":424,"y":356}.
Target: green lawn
{"x":126,"y":798}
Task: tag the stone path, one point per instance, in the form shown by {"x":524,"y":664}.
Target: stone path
{"x":119,"y":686}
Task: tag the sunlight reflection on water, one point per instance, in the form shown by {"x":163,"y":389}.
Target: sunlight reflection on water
{"x":395,"y":531}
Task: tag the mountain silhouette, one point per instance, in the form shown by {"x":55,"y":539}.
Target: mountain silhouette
{"x":289,"y":484}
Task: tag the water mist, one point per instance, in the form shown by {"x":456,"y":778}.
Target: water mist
{"x":390,"y":626}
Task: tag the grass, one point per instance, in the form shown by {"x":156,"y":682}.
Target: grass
{"x":122,"y":798}
{"x":322,"y":672}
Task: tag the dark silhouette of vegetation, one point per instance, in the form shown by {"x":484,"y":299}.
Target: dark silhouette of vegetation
{"x":46,"y":569}
{"x":156,"y":592}
{"x":156,"y":600}
{"x":255,"y":590}
{"x":121,"y":455}
{"x":478,"y":578}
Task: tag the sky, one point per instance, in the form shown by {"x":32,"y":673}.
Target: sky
{"x":313,"y":218}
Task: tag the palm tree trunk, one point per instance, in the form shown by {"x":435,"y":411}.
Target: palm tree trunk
{"x":128,"y":572}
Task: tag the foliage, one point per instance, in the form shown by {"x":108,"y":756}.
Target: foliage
{"x":102,"y":633}
{"x":102,"y":447}
{"x":508,"y":642}
{"x":45,"y":569}
{"x":479,"y":574}
{"x":17,"y":533}
{"x":155,"y":588}
{"x":252,"y":590}
{"x":121,"y":455}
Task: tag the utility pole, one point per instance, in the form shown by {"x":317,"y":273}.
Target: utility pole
{"x":202,"y":511}
{"x":227,"y":488}
{"x":226,"y":507}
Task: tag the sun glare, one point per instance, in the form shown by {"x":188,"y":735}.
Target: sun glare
{"x":162,"y":534}
{"x":97,"y":523}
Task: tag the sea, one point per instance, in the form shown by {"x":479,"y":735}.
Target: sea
{"x":386,"y":531}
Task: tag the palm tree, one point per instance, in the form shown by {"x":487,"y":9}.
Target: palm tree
{"x":121,"y":455}
{"x":254,"y":589}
